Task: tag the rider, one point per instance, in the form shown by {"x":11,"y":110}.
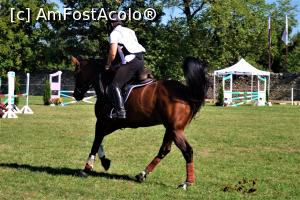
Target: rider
{"x":126,"y":52}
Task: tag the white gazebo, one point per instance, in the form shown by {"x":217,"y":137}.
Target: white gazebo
{"x":242,"y":68}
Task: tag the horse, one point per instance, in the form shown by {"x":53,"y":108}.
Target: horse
{"x":166,"y":102}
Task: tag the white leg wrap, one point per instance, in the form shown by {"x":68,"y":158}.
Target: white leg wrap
{"x":91,"y":160}
{"x":144,"y":173}
{"x":101,"y":151}
{"x":184,"y":185}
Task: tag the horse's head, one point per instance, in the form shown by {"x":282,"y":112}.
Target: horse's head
{"x":86,"y":74}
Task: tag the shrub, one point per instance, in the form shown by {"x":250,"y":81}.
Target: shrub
{"x":47,"y":92}
{"x":220,"y":101}
{"x":267,"y":95}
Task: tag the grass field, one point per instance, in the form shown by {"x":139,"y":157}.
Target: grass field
{"x":40,"y":153}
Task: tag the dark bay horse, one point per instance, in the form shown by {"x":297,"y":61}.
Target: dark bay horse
{"x":166,"y":102}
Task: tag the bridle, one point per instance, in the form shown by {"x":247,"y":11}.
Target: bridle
{"x":85,"y":87}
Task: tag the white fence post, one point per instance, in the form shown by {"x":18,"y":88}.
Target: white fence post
{"x":292,"y":96}
{"x":11,"y":89}
{"x":26,"y":109}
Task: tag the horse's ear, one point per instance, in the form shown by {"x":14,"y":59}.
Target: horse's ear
{"x":75,"y":61}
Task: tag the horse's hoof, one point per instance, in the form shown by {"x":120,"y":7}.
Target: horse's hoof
{"x":184,"y":185}
{"x":82,"y":174}
{"x":105,"y":163}
{"x":141,"y":177}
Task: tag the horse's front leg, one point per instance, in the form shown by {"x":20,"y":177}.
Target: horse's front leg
{"x":102,"y":129}
{"x":104,"y":161}
{"x":89,"y":165}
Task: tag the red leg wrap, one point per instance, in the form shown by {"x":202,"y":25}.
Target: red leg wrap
{"x":153,"y":164}
{"x":190,"y":174}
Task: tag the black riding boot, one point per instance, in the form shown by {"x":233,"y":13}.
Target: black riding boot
{"x":117,"y":101}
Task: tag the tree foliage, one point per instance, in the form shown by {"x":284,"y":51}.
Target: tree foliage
{"x":218,"y":32}
{"x":22,"y":44}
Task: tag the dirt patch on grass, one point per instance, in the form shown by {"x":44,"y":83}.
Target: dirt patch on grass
{"x":243,"y":186}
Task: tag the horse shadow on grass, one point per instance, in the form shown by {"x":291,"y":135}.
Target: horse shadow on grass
{"x":64,"y":171}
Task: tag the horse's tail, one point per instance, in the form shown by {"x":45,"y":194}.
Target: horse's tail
{"x":196,"y":79}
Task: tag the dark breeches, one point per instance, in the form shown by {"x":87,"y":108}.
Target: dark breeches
{"x":127,"y":72}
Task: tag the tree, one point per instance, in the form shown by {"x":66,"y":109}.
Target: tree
{"x":217,"y":32}
{"x":236,"y":29}
{"x":191,"y":9}
{"x":225,"y":31}
{"x":90,"y":38}
{"x":278,"y":12}
{"x":21,"y":43}
{"x":294,"y":55}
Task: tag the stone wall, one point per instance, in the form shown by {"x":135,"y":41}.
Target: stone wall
{"x":281,"y":84}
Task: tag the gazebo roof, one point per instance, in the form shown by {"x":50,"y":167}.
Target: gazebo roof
{"x":241,"y":68}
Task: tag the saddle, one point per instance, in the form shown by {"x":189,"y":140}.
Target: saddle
{"x":145,"y":75}
{"x":144,"y":78}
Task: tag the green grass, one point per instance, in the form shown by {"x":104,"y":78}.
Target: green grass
{"x":40,"y":153}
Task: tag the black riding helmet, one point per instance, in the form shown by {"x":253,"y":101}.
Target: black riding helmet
{"x":113,"y":22}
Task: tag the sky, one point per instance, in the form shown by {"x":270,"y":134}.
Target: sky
{"x":176,"y":12}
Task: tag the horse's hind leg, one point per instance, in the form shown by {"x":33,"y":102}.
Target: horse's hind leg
{"x":164,"y":150}
{"x":102,"y":129}
{"x":187,"y":151}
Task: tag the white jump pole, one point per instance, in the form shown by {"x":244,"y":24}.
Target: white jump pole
{"x":292,"y":96}
{"x":11,"y":88}
{"x":231,"y":84}
{"x":26,"y":109}
{"x":214,"y":89}
{"x":251,"y":86}
{"x":269,"y":82}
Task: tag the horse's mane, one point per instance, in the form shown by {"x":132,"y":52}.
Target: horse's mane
{"x":96,"y":64}
{"x":97,"y":60}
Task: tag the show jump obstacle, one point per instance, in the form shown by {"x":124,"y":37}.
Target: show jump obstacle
{"x":236,"y":98}
{"x":55,"y":83}
{"x":12,"y":109}
{"x":230,"y":97}
{"x":56,"y":92}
